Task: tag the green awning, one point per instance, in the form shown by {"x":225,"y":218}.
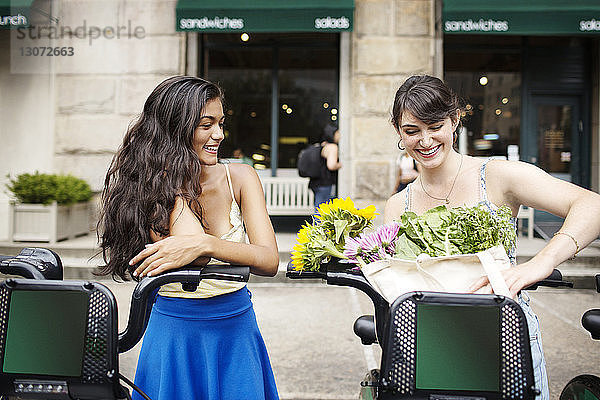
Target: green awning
{"x":264,"y":15}
{"x":14,"y":13}
{"x":522,"y":17}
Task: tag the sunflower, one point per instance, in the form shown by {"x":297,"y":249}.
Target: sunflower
{"x":304,"y":234}
{"x":298,"y":254}
{"x":368,"y":212}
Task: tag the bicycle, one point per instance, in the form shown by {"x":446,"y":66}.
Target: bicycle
{"x":412,"y":354}
{"x":586,"y":387}
{"x":80,"y":362}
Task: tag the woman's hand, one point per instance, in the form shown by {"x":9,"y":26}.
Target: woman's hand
{"x":517,"y":278}
{"x":170,"y":253}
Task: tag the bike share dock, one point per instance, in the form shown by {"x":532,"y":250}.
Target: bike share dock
{"x":294,"y":315}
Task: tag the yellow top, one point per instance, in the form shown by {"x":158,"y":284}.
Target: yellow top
{"x":210,"y":287}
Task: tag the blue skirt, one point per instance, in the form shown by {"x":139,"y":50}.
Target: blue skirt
{"x":208,"y":349}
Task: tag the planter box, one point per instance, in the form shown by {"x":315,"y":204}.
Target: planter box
{"x":40,"y":223}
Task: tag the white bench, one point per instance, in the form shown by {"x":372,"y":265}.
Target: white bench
{"x":288,"y":195}
{"x":526,"y":213}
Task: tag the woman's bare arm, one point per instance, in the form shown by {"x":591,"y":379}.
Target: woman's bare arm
{"x":518,"y":183}
{"x":261,"y":253}
{"x":330,"y":151}
{"x":191,"y":242}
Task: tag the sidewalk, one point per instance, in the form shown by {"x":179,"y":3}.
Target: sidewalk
{"x":80,"y":256}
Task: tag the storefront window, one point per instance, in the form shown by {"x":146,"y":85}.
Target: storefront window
{"x":488,"y":78}
{"x":304,"y":68}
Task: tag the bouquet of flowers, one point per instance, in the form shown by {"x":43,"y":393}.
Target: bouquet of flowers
{"x":445,"y":249}
{"x":325,"y":237}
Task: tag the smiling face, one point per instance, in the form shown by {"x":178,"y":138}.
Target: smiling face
{"x":428,"y":144}
{"x":208,"y":135}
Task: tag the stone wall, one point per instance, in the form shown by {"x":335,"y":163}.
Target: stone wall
{"x":392,"y":40}
{"x":26,"y":125}
{"x":68,"y":113}
{"x":102,"y":87}
{"x":595,"y":121}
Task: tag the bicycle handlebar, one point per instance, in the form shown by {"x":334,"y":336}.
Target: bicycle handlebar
{"x":344,"y":276}
{"x":33,"y":263}
{"x":146,"y":289}
{"x":554,"y":280}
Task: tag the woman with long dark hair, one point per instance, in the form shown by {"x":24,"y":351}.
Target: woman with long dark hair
{"x":426,"y":116}
{"x":169,"y":202}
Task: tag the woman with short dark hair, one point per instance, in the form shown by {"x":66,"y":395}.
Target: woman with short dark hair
{"x":426,"y":116}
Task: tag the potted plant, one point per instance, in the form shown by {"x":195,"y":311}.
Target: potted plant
{"x":48,"y":207}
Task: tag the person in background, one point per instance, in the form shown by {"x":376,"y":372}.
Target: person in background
{"x":239,"y":154}
{"x":324,"y":186}
{"x":408,"y":170}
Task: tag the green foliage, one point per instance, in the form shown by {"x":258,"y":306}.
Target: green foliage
{"x":70,"y":189}
{"x":463,"y":230}
{"x":46,"y":188}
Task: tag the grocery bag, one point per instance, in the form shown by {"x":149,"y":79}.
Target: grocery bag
{"x":393,"y":277}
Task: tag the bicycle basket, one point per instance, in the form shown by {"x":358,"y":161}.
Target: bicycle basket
{"x":58,"y":339}
{"x":440,"y":345}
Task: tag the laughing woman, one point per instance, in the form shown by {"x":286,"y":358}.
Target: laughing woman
{"x":426,"y":115}
{"x":168,"y":202}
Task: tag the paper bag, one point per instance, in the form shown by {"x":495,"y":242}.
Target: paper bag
{"x":393,"y":277}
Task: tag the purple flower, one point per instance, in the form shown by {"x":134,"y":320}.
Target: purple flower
{"x":387,"y":233}
{"x":369,"y":241}
{"x":352,"y":248}
{"x":373,"y":246}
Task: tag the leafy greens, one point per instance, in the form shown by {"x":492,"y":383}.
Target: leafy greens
{"x":443,"y":231}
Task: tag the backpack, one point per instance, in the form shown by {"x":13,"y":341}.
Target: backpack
{"x":309,"y":161}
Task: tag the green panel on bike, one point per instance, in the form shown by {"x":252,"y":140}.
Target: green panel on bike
{"x":458,"y":348}
{"x":46,"y":331}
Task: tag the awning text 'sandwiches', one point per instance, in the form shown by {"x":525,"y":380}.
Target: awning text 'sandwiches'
{"x":264,"y":15}
{"x":518,"y":17}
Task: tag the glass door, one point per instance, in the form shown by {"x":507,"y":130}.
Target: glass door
{"x":281,"y":90}
{"x":556,"y":140}
{"x":555,"y":144}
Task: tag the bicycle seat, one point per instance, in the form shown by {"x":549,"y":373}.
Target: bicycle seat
{"x":591,"y":322}
{"x":444,"y":345}
{"x":58,"y":340}
{"x":364,"y":328}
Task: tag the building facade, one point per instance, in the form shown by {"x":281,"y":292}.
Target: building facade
{"x":289,"y":70}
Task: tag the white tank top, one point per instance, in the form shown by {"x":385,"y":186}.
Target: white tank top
{"x":208,"y":287}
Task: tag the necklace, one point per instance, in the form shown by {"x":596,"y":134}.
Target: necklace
{"x":447,"y":198}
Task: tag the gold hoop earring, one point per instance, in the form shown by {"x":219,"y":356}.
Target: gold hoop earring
{"x":401,"y":147}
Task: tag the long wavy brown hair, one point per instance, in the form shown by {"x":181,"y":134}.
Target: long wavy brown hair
{"x":155,"y":163}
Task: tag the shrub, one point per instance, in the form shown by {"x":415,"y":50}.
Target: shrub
{"x":70,"y":189}
{"x":46,"y":188}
